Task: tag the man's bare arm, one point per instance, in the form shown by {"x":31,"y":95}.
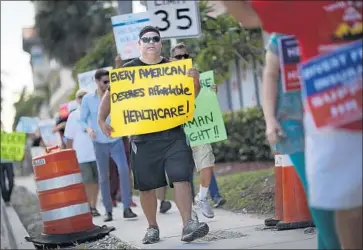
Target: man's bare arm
{"x":244,"y":13}
{"x":105,"y":107}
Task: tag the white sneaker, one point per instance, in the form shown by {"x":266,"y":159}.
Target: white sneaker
{"x":195,"y":216}
{"x":204,"y":206}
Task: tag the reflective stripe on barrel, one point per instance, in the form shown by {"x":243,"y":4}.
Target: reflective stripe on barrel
{"x":59,"y":182}
{"x":65,"y":212}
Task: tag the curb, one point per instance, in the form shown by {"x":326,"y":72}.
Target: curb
{"x":126,"y":244}
{"x":15,"y":229}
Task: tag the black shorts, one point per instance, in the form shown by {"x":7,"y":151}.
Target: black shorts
{"x":152,"y":159}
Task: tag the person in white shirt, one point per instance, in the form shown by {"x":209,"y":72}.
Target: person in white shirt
{"x":79,"y":140}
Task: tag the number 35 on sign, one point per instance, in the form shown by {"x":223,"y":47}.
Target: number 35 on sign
{"x":175,"y":19}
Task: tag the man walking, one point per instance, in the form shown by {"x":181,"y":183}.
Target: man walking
{"x":78,"y":139}
{"x":106,"y":147}
{"x":203,"y":154}
{"x":155,"y":154}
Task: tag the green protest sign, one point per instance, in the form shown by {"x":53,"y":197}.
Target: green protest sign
{"x":12,"y":146}
{"x":207,"y":125}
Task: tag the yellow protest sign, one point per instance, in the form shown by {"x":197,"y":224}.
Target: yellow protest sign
{"x":12,"y":146}
{"x":153,"y":98}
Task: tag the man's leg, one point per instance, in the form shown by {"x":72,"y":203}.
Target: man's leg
{"x":213,"y":187}
{"x":118,"y":155}
{"x":204,"y":163}
{"x":331,"y":158}
{"x":86,"y":172}
{"x":164,"y":204}
{"x":183,"y":199}
{"x":218,"y":200}
{"x":114,"y":182}
{"x":103,"y":167}
{"x":179,"y":165}
{"x":9,"y":171}
{"x":149,"y":206}
{"x":94,"y":185}
{"x":349,"y":227}
{"x":4,"y":189}
{"x":147,"y":162}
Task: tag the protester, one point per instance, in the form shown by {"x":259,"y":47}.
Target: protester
{"x":155,"y":154}
{"x":203,"y":155}
{"x":82,"y":144}
{"x":284,"y":130}
{"x":60,"y":124}
{"x":104,"y":147}
{"x":334,"y":180}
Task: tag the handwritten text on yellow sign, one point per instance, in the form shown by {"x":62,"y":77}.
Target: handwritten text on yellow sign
{"x":153,"y":98}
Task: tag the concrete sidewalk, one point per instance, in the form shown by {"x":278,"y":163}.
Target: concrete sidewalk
{"x":227,"y":230}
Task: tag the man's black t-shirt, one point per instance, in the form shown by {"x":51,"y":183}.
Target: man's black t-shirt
{"x":176,"y":133}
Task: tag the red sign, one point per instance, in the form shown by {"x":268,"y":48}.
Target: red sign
{"x":337,"y":106}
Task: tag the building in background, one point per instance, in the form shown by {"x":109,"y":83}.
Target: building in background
{"x":50,"y":79}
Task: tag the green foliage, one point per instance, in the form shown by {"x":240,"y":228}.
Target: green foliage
{"x":27,"y":105}
{"x":221,"y":38}
{"x":68,"y":28}
{"x":246,"y":137}
{"x":101,"y":55}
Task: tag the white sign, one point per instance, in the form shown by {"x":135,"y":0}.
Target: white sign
{"x":27,"y":125}
{"x":126,"y":29}
{"x":49,"y":138}
{"x":175,"y":19}
{"x":37,"y":151}
{"x":86,"y":80}
{"x":72,"y":105}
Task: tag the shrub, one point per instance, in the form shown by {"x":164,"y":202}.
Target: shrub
{"x":246,"y":137}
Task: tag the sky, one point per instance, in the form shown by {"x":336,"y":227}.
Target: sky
{"x":15,"y":63}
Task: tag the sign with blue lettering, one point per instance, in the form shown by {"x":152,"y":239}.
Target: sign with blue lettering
{"x":289,"y":58}
{"x":126,"y":30}
{"x":28,"y":125}
{"x":332,"y":86}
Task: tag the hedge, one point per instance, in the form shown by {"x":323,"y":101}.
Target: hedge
{"x":246,"y":137}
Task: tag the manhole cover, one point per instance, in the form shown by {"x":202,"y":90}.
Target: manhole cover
{"x":221,"y":235}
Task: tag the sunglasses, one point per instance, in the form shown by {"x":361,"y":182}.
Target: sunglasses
{"x":106,"y":82}
{"x":178,"y":57}
{"x":80,"y":97}
{"x":154,"y":39}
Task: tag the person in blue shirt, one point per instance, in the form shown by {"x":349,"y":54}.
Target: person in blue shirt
{"x":106,"y":147}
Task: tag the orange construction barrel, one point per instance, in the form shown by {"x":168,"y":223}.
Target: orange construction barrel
{"x":278,"y":193}
{"x":63,"y":202}
{"x":295,"y":210}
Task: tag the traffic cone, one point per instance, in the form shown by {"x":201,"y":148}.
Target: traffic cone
{"x":278,"y":193}
{"x":295,"y":211}
{"x":63,"y":202}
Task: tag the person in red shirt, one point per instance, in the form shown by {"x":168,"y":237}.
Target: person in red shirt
{"x":333,"y":156}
